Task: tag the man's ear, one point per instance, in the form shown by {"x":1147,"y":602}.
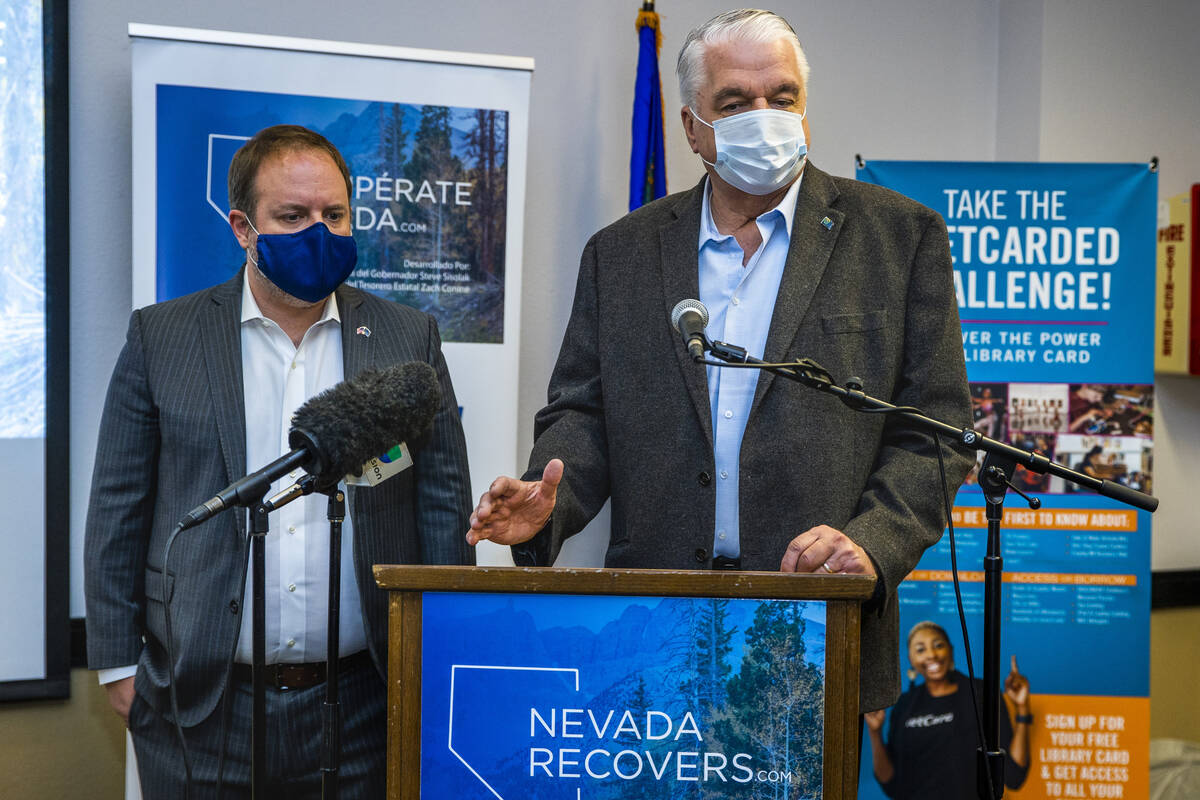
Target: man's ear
{"x":240,"y":224}
{"x":689,"y":128}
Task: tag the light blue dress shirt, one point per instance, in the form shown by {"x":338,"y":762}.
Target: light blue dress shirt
{"x":740,"y":302}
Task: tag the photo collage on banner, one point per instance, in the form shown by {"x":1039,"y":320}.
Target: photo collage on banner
{"x":608,"y":697}
{"x":1054,"y":275}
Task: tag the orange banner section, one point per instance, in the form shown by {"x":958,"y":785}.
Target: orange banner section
{"x":1088,"y":747}
{"x":1052,"y":519}
{"x":1077,"y":579}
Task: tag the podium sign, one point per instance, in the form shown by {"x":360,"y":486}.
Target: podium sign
{"x":611,"y":684}
{"x":610,"y":697}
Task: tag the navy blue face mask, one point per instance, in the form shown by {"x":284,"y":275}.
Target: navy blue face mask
{"x":307,"y":264}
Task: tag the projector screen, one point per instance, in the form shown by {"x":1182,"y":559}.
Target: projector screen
{"x":34,"y":659}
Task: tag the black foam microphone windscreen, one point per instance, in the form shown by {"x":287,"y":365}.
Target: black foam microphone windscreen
{"x":357,"y":420}
{"x":338,"y":431}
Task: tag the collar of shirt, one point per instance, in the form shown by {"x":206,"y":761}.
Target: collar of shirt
{"x":251,"y":311}
{"x":786,"y":209}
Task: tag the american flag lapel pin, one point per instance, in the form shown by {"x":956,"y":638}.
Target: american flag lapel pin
{"x":363,"y":330}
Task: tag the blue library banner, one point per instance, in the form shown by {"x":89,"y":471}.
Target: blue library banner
{"x":551,"y":696}
{"x":1053,"y":264}
{"x":1054,"y":270}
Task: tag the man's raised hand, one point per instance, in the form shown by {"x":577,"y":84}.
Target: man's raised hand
{"x":512,"y":511}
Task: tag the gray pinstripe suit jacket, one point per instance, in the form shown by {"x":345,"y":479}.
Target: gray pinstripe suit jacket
{"x":173,"y":433}
{"x":870,"y":295}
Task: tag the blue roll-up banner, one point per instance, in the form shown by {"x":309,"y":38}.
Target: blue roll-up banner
{"x":1054,"y":274}
{"x":436,"y":146}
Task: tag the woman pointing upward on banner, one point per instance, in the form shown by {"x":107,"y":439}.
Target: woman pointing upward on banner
{"x":931,"y":747}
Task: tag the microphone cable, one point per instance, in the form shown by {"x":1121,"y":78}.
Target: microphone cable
{"x":171,"y":689}
{"x":962,"y":616}
{"x":227,"y":698}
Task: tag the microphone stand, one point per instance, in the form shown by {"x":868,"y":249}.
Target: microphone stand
{"x":999,"y":466}
{"x":249,"y":491}
{"x":331,"y":745}
{"x":995,"y":480}
{"x":258,"y":625}
{"x":331,"y":750}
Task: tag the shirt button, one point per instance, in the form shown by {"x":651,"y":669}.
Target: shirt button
{"x":293,"y":365}
{"x":728,"y":415}
{"x":721,"y":534}
{"x":292,"y":474}
{"x":291,"y":587}
{"x":737,"y":302}
{"x":291,"y":642}
{"x":724,"y":474}
{"x":291,"y":528}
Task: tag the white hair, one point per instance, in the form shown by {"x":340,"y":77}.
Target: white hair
{"x":743,"y":24}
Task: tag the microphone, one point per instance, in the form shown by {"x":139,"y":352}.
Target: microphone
{"x":338,"y":430}
{"x":690,"y":318}
{"x":301,"y":488}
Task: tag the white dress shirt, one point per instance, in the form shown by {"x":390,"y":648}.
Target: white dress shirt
{"x":277,"y":378}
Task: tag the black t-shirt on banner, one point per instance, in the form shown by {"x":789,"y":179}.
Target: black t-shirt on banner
{"x":932,"y":742}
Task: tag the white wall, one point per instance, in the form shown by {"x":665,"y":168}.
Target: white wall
{"x":1119,"y":84}
{"x":920,"y":79}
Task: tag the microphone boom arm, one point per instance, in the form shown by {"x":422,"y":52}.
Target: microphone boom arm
{"x":810,"y":373}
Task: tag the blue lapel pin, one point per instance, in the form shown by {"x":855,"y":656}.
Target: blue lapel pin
{"x":828,"y":223}
{"x":363,"y":330}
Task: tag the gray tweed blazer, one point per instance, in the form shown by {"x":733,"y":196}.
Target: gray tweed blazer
{"x":867,"y":291}
{"x":173,"y":434}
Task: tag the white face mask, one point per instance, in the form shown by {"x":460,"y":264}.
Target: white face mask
{"x":758,"y":151}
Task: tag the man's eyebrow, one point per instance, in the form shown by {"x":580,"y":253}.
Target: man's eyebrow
{"x":728,"y":93}
{"x":284,"y":208}
{"x":739,"y":92}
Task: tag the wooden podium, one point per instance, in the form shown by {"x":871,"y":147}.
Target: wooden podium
{"x":841,"y":594}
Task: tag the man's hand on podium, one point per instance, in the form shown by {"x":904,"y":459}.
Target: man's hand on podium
{"x":826,"y":549}
{"x":512,"y":511}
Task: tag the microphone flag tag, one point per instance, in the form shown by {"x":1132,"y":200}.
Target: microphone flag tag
{"x":379,"y":469}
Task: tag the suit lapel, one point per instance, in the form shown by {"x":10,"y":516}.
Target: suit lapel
{"x":356,"y":353}
{"x":221,"y":338}
{"x":815,"y":230}
{"x":679,"y":267}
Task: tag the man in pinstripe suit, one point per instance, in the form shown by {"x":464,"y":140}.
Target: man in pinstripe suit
{"x":203,"y":392}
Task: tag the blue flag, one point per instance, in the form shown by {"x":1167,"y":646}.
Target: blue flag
{"x":647,"y":160}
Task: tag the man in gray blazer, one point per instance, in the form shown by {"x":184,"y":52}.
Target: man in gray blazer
{"x":735,"y":468}
{"x":203,"y":393}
